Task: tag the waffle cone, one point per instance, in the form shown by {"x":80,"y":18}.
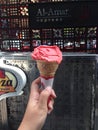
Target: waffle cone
{"x":47,"y":69}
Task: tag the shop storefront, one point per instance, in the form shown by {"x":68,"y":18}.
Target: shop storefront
{"x":71,"y":25}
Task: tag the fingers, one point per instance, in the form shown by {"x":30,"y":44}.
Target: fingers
{"x":44,"y":96}
{"x":34,"y":93}
{"x":36,"y":83}
{"x":46,"y":100}
{"x":50,"y":105}
{"x":53,"y":94}
{"x":51,"y":101}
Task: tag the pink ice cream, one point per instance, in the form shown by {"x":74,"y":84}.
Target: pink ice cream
{"x":47,"y":53}
{"x":48,"y":59}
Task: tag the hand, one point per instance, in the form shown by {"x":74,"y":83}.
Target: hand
{"x":39,"y":105}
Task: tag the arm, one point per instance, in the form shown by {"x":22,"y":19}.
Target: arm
{"x":39,"y":105}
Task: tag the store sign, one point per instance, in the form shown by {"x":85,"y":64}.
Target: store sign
{"x":62,"y":14}
{"x":12,"y":81}
{"x":8,"y":82}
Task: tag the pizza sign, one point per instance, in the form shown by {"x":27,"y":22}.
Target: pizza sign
{"x":12,"y":81}
{"x":7,"y":82}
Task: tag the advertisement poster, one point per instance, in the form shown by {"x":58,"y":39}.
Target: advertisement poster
{"x":8,"y":82}
{"x":12,"y":81}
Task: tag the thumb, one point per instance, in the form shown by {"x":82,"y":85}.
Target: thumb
{"x":44,"y":96}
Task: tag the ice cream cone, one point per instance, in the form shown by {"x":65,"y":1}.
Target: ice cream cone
{"x":48,"y":59}
{"x":47,"y":71}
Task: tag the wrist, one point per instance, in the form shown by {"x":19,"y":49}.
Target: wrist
{"x":25,"y":125}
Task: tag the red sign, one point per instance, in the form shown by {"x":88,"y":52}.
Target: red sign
{"x":7,"y":82}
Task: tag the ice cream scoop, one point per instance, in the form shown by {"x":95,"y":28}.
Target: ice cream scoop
{"x":47,"y":53}
{"x":48,"y":59}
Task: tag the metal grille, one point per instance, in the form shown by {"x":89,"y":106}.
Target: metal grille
{"x":75,"y":89}
{"x":68,"y":39}
{"x":16,"y":35}
{"x":14,"y":25}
